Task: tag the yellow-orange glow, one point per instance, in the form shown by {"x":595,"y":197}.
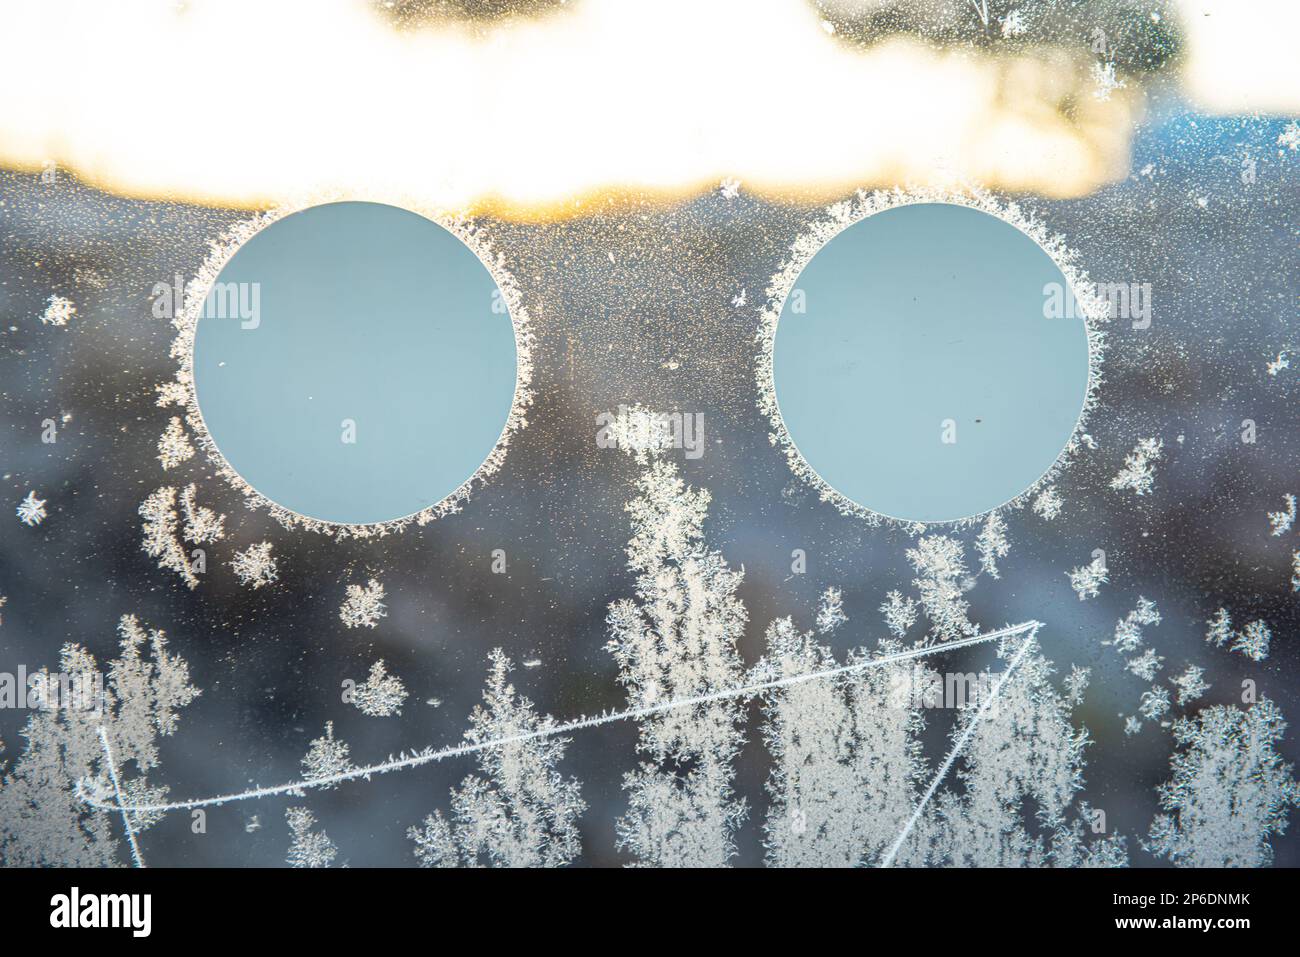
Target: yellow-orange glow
{"x":254,"y":102}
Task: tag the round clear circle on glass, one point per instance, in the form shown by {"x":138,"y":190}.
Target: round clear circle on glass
{"x":355,"y":363}
{"x":921,"y":366}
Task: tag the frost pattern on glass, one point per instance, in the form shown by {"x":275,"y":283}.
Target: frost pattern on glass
{"x":520,"y":811}
{"x":1230,"y":789}
{"x":677,"y":639}
{"x":45,"y":819}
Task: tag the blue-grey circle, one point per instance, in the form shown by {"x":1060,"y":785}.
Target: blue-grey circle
{"x":364,"y":315}
{"x":910,"y":318}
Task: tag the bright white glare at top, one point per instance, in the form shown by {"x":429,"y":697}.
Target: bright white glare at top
{"x":250,"y":102}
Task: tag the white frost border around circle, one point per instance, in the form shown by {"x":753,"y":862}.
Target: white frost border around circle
{"x":834,"y":219}
{"x":469,"y":231}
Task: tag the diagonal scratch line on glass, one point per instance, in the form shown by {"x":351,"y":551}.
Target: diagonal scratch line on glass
{"x":428,"y":755}
{"x":121,"y":799}
{"x":960,"y":744}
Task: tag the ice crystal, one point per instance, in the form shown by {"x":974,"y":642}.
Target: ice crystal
{"x":162,"y":533}
{"x":1220,"y":628}
{"x":1290,"y":136}
{"x":1088,"y":579}
{"x":992,"y":544}
{"x":381,"y":694}
{"x":1076,"y":684}
{"x":1145,"y":665}
{"x":308,"y":848}
{"x":1071,"y":849}
{"x":31,"y":510}
{"x":830,"y":611}
{"x":1128,"y":631}
{"x":899,"y":613}
{"x":138,"y":791}
{"x":1047,"y":504}
{"x":43,"y":821}
{"x":1105,"y":80}
{"x":1281,"y":522}
{"x":1013,"y":24}
{"x":940,"y":562}
{"x":1191,"y":684}
{"x":1230,"y":789}
{"x":58,"y":311}
{"x":435,"y":842}
{"x":363,"y":606}
{"x":254,"y":565}
{"x":326,"y":757}
{"x":1154,"y":704}
{"x":174,"y":445}
{"x":1138,"y":472}
{"x":202,"y":525}
{"x":171,"y":393}
{"x":638,"y":431}
{"x":1252,"y":641}
{"x":522,"y":812}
